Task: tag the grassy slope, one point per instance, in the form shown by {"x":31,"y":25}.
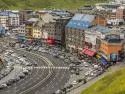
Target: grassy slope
{"x":37,"y":4}
{"x":111,"y":84}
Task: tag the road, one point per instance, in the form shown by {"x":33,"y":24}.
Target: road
{"x":41,"y":81}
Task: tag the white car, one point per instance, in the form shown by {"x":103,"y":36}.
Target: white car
{"x":58,"y":92}
{"x":25,"y":71}
{"x":14,"y":55}
{"x":95,"y":66}
{"x":86,"y":65}
{"x":22,"y":59}
{"x":10,"y":63}
{"x":3,"y":85}
{"x":21,"y":75}
{"x":9,"y":51}
{"x":27,"y":63}
{"x":74,"y":82}
{"x":87,"y":73}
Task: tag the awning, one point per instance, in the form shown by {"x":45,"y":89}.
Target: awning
{"x":88,"y":52}
{"x":51,"y":41}
{"x":103,"y":61}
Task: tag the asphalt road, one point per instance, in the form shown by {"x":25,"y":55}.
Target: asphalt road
{"x":41,"y":81}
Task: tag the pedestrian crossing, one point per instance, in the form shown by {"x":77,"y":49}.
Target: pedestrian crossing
{"x":52,"y":68}
{"x":42,"y":67}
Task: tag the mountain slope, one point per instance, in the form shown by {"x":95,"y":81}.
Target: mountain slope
{"x":38,"y":4}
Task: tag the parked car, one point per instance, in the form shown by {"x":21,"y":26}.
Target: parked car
{"x":4,"y":85}
{"x":69,"y":86}
{"x":25,"y":71}
{"x":21,"y":75}
{"x":58,"y":92}
{"x":74,"y":82}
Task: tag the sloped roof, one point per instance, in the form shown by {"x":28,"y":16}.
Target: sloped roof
{"x":103,"y":29}
{"x":8,"y":13}
{"x":49,"y":18}
{"x":81,"y":21}
{"x":40,"y":23}
{"x":61,"y":13}
{"x":100,"y":29}
{"x":33,"y":20}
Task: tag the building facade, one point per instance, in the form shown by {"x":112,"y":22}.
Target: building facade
{"x":9,"y":19}
{"x":100,"y":20}
{"x":111,"y":46}
{"x":22,"y":33}
{"x":75,"y":37}
{"x":54,"y":27}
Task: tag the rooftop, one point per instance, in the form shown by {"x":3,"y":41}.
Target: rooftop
{"x":33,"y":20}
{"x":100,"y":29}
{"x":81,"y":21}
{"x":8,"y":13}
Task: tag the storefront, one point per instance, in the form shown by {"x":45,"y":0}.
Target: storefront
{"x":51,"y":41}
{"x":102,"y":58}
{"x":113,"y":57}
{"x":21,"y":38}
{"x":88,"y":52}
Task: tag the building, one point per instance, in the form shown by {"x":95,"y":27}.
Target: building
{"x":38,"y":29}
{"x":120,"y":1}
{"x":74,"y":39}
{"x":100,"y":20}
{"x":120,"y":14}
{"x":114,"y":13}
{"x":94,"y":35}
{"x":111,"y":46}
{"x":24,"y":15}
{"x":54,"y":27}
{"x":107,"y":6}
{"x":29,"y":28}
{"x":87,"y":9}
{"x":2,"y":31}
{"x":9,"y":19}
{"x":22,"y":33}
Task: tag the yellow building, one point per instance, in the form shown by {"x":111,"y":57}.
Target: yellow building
{"x":36,"y":32}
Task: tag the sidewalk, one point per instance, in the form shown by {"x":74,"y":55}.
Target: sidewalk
{"x":84,"y":86}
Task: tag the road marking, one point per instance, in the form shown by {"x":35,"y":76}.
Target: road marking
{"x":49,"y":63}
{"x":45,"y":67}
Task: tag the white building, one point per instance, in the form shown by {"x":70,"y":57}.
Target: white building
{"x":9,"y":19}
{"x":94,"y":33}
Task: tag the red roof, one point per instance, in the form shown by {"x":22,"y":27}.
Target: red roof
{"x":88,"y":52}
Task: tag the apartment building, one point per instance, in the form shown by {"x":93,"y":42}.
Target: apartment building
{"x":54,"y":27}
{"x":74,"y":32}
{"x":9,"y":19}
{"x":111,"y":46}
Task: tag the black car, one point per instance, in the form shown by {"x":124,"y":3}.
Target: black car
{"x":24,"y":55}
{"x":70,"y":86}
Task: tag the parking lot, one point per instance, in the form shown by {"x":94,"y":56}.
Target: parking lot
{"x":14,"y":70}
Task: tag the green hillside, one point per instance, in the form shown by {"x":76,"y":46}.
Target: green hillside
{"x":111,"y":84}
{"x":38,"y":4}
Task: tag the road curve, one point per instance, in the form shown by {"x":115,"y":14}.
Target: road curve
{"x":42,"y":81}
